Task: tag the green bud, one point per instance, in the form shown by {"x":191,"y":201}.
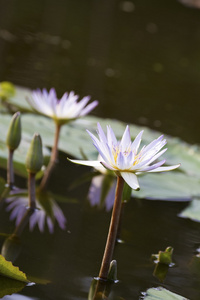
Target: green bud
{"x":14,"y":132}
{"x":112,"y":273}
{"x":34,"y":158}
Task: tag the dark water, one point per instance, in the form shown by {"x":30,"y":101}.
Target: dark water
{"x":141,"y":60}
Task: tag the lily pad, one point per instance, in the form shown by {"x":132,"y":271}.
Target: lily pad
{"x":160,"y":293}
{"x":192,"y":211}
{"x":179,"y":185}
{"x":20,"y":153}
{"x":171,"y":186}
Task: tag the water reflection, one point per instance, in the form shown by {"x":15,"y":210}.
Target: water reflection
{"x":102,"y":191}
{"x":47,"y":211}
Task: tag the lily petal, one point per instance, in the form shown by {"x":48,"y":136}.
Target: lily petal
{"x":90,"y":163}
{"x":164,"y":169}
{"x":131,"y":179}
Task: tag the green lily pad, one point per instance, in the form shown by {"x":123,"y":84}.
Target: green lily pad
{"x":172,"y":186}
{"x":160,"y":294}
{"x":192,"y":211}
{"x":180,"y":185}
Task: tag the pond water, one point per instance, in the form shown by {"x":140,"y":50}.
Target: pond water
{"x":140,"y":59}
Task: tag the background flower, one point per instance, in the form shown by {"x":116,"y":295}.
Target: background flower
{"x":60,"y":110}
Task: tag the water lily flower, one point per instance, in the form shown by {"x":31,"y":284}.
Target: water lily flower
{"x":124,"y":157}
{"x":19,"y":205}
{"x":60,"y":110}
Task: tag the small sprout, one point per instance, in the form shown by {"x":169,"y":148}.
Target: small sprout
{"x":14,"y":132}
{"x":34,"y":158}
{"x":112,"y":273}
{"x":164,"y":257}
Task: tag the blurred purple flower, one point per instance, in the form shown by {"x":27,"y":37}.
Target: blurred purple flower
{"x":96,"y":195}
{"x":19,"y":205}
{"x":60,"y":110}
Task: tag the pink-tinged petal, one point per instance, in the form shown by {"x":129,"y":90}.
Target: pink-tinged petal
{"x":101,"y":147}
{"x":93,"y":137}
{"x":126,"y":139}
{"x":111,"y":137}
{"x":33,"y":220}
{"x":165,"y":169}
{"x":101,"y":134}
{"x":41,"y":220}
{"x":89,"y":163}
{"x":89,"y":108}
{"x":59,"y":216}
{"x":153,"y":144}
{"x":120,"y":161}
{"x":157,"y":155}
{"x":136,"y":143}
{"x":78,"y":108}
{"x":152,"y":167}
{"x":131,"y":179}
{"x":50,"y":225}
{"x":107,"y":166}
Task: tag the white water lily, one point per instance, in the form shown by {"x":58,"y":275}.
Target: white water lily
{"x":124,"y":157}
{"x":60,"y":110}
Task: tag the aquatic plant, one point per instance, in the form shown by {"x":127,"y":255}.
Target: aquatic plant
{"x":62,"y":111}
{"x":126,"y":160}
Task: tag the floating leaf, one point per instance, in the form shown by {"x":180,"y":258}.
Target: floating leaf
{"x":192,"y":211}
{"x":20,"y":153}
{"x":10,"y":286}
{"x":161,"y":294}
{"x":179,"y":185}
{"x":8,"y":270}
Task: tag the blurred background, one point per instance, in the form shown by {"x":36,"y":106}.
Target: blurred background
{"x":139,"y":58}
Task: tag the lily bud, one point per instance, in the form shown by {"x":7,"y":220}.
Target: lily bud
{"x":34,"y":158}
{"x":14,"y":132}
{"x":112,"y":273}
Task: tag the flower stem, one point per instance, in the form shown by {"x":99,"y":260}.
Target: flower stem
{"x":31,"y":190}
{"x":53,"y":159}
{"x":10,"y":171}
{"x":112,"y":234}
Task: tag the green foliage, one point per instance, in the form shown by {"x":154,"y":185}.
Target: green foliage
{"x":12,"y":280}
{"x":164,"y":257}
{"x":8,"y":270}
{"x":181,"y":184}
{"x":10,"y":286}
{"x":7,"y":90}
{"x":160,"y":293}
{"x":192,"y":211}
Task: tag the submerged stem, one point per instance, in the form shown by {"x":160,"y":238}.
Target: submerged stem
{"x":113,"y":229}
{"x":53,"y":159}
{"x":10,"y":170}
{"x":31,"y":190}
